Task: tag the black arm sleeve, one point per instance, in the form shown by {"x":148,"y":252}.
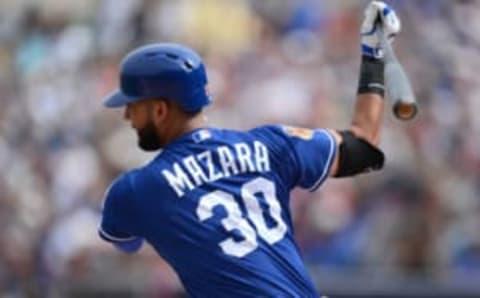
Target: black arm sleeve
{"x":357,"y":156}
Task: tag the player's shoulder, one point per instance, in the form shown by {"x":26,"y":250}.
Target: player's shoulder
{"x":273,"y":137}
{"x":283,"y":131}
{"x":122,"y":184}
{"x":268,"y":130}
{"x":136,"y":183}
{"x":291,"y":132}
{"x":150,"y":177}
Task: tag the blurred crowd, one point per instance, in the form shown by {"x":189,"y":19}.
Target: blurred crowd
{"x":291,"y":61}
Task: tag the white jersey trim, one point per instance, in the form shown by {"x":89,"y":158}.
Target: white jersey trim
{"x":107,"y":236}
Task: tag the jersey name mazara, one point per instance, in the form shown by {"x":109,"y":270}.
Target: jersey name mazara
{"x":220,"y":162}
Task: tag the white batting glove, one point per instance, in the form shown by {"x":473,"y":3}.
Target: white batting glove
{"x":378,"y":11}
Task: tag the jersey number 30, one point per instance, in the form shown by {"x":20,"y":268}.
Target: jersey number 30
{"x":235,"y":220}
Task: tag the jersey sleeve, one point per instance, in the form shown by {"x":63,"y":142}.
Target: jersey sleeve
{"x":308,"y":154}
{"x":117,"y":223}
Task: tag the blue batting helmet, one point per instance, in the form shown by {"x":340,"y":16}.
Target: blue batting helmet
{"x":165,"y":71}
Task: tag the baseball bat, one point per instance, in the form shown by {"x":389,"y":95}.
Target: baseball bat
{"x":397,"y":84}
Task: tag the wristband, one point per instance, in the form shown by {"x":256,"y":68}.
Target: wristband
{"x":371,"y":76}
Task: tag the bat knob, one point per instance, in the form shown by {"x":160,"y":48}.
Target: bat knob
{"x":405,"y":110}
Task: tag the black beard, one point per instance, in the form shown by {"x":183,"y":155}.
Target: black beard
{"x":148,"y":139}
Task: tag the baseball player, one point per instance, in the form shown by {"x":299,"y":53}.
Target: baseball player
{"x":214,"y":203}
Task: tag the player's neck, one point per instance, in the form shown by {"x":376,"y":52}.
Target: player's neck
{"x":183,"y":127}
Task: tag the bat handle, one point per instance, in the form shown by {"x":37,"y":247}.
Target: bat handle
{"x":389,"y":54}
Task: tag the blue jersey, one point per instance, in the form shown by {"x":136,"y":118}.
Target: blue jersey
{"x":215,"y":205}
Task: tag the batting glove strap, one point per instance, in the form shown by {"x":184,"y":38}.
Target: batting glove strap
{"x":371,"y":76}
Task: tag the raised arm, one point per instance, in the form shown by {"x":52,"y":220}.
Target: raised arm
{"x":357,"y":146}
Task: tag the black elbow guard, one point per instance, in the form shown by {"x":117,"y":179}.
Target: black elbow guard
{"x":357,"y":156}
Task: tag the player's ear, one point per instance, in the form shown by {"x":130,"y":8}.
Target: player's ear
{"x":160,"y":111}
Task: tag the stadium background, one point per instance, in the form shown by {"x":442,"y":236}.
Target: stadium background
{"x":412,"y":229}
